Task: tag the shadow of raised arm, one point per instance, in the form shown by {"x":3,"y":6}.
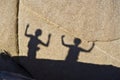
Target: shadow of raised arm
{"x":28,"y":35}
{"x":47,"y":44}
{"x":63,"y":42}
{"x":89,"y":49}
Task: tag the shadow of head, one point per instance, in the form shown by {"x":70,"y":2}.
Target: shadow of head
{"x":77,"y":41}
{"x":38,"y":32}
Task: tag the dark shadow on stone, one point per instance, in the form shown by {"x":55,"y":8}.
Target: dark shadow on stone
{"x":34,"y":42}
{"x":44,"y":69}
{"x":74,"y":49}
{"x":7,"y":63}
{"x":68,"y":69}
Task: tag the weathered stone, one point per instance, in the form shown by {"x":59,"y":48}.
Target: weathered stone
{"x":103,"y":53}
{"x":8,"y":21}
{"x":88,"y":20}
{"x":91,"y":20}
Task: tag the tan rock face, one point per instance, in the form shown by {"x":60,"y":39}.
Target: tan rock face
{"x":8,"y":17}
{"x":103,"y":53}
{"x":50,"y":55}
{"x":84,"y":19}
{"x":61,"y":38}
{"x":91,"y":20}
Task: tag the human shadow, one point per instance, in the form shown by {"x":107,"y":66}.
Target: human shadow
{"x":74,"y":49}
{"x":69,"y":69}
{"x":46,"y":69}
{"x":34,"y":42}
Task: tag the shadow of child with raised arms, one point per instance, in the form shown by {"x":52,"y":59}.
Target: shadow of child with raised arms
{"x":34,"y":42}
{"x":74,"y":50}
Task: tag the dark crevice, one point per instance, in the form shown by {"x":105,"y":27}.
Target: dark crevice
{"x":17,"y":40}
{"x":17,"y":24}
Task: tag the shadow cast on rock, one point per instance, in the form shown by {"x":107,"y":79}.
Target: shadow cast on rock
{"x":44,"y":69}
